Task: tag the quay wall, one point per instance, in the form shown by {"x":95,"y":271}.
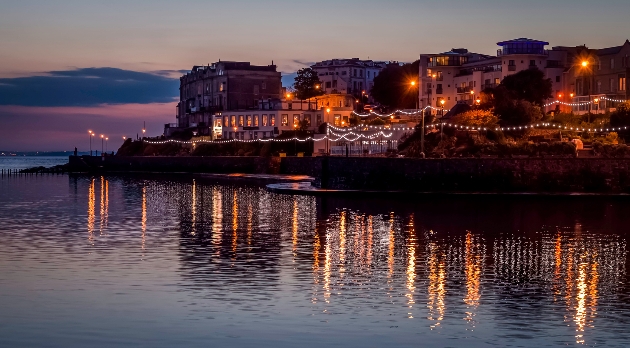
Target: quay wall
{"x":191,"y":164}
{"x":537,"y":175}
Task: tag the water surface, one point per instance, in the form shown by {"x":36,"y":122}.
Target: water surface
{"x":178,"y":261}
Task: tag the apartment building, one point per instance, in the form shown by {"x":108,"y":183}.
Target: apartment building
{"x":224,"y":85}
{"x":348,"y":76}
{"x":272,"y":118}
{"x":459,"y":76}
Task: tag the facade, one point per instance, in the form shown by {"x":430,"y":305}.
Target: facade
{"x":223,"y":86}
{"x":271,"y":119}
{"x":348,"y":76}
{"x":459,"y":76}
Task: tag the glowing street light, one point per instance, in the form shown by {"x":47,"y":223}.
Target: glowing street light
{"x":106,"y":139}
{"x":102,"y":143}
{"x":91,"y":135}
{"x":584,"y":63}
{"x":316,"y":86}
{"x":413,"y":83}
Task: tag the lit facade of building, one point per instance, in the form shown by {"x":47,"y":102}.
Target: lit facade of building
{"x":459,"y":76}
{"x":226,"y":85}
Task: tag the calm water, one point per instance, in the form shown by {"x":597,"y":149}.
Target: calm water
{"x":24,"y":162}
{"x":166,"y":262}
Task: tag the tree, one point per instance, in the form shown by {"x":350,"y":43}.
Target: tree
{"x":307,"y":84}
{"x":392,"y":86}
{"x":621,"y":118}
{"x":476,"y":118}
{"x":518,"y":113}
{"x":530,"y":85}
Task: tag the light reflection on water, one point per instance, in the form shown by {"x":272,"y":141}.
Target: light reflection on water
{"x":185,"y":262}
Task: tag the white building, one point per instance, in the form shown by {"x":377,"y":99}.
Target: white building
{"x":272,"y":118}
{"x":459,"y":76}
{"x":348,"y":76}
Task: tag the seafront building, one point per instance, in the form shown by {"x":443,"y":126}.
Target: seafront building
{"x":459,"y":76}
{"x":222,"y":86}
{"x":348,"y":76}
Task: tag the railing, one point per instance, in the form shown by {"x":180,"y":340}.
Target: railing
{"x":511,"y":67}
{"x":504,"y":52}
{"x":466,"y":89}
{"x":439,"y":91}
{"x":489,"y":85}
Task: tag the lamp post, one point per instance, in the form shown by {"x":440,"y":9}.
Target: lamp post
{"x":327,"y":124}
{"x":441,"y":121}
{"x":295,"y":138}
{"x":106,"y":139}
{"x":102,"y":143}
{"x":91,"y":135}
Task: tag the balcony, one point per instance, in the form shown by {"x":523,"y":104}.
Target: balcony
{"x":462,"y":90}
{"x":439,"y":91}
{"x":511,"y":67}
{"x":531,"y":51}
{"x":489,"y":85}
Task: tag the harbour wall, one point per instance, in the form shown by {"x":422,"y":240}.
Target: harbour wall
{"x":536,"y":175}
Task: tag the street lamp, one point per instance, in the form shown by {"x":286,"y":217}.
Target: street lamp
{"x":102,"y":143}
{"x":91,"y":135}
{"x":106,"y":139}
{"x":442,"y":122}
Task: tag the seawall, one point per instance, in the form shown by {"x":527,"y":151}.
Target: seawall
{"x":536,"y":175}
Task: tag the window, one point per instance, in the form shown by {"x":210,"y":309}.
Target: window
{"x":218,"y":124}
{"x":344,"y":72}
{"x":264,"y":85}
{"x":307,"y":118}
{"x":612,"y":63}
{"x":233,"y":124}
{"x":512,"y":62}
{"x":272,"y":120}
{"x":225,"y":121}
{"x":368,"y":74}
{"x":360,"y":73}
{"x":622,"y":83}
{"x":249,"y":120}
{"x":557,"y":78}
{"x":319,"y":119}
{"x":496,"y":81}
{"x":240,"y":120}
{"x":264,"y":120}
{"x":532,"y":63}
{"x":612,"y":85}
{"x":439,"y":89}
{"x":285,"y":120}
{"x":334,"y":84}
{"x":439,"y":76}
{"x":599,"y":86}
{"x":256,"y":89}
{"x":475,"y":84}
{"x":255,"y":120}
{"x":221,"y":87}
{"x":296,"y":120}
{"x":327,"y":84}
{"x":355,"y":73}
{"x":337,"y":120}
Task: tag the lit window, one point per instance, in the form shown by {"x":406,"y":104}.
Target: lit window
{"x":240,"y":120}
{"x":272,"y":120}
{"x":264,"y":120}
{"x":255,"y":120}
{"x":233,"y":124}
{"x":249,"y":120}
{"x":285,"y":120}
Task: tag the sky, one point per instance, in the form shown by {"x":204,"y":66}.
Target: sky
{"x":69,"y":66}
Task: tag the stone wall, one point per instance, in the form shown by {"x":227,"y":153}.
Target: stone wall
{"x":541,"y":175}
{"x":172,"y":164}
{"x":470,"y":175}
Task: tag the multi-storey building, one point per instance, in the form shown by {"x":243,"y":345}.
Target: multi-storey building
{"x":221,"y":86}
{"x":348,"y":76}
{"x":272,"y":118}
{"x":459,"y":76}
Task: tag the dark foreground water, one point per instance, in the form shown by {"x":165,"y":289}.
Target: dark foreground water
{"x":172,"y":262}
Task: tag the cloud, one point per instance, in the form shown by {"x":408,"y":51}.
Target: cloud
{"x":25,"y":128}
{"x":90,"y":87}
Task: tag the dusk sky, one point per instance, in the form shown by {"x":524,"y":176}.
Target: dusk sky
{"x":67,"y":66}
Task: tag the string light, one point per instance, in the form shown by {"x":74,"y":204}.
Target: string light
{"x":399,"y":112}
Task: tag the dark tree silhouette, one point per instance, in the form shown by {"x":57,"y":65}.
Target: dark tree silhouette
{"x":307,"y":84}
{"x":392,"y":87}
